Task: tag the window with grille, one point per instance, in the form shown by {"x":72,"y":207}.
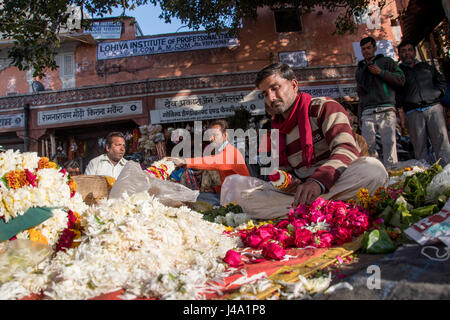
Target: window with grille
{"x":66,"y":64}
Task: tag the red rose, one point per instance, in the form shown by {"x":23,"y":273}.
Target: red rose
{"x":266,"y":231}
{"x":233,"y":258}
{"x":272,"y":250}
{"x":253,"y":240}
{"x":65,"y":241}
{"x":284,"y":238}
{"x":71,"y":224}
{"x":342,"y":235}
{"x":31,"y":178}
{"x":323,"y":239}
{"x":303,"y":238}
{"x":317,"y":216}
{"x":299,"y":223}
{"x":301,"y":211}
{"x":318,"y":204}
{"x":282,"y":224}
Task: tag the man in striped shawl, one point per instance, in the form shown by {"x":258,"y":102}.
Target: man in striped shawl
{"x":316,"y":145}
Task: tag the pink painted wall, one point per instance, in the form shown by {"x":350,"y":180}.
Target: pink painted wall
{"x":259,"y":46}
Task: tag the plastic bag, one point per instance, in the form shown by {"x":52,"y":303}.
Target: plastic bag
{"x":233,"y":186}
{"x":257,"y":198}
{"x":133,"y":179}
{"x":439,"y":185}
{"x":20,"y":254}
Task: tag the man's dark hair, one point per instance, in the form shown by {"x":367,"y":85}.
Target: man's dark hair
{"x":282,"y":69}
{"x":220,"y":122}
{"x":111,"y":135}
{"x":405,"y":43}
{"x":367,"y":40}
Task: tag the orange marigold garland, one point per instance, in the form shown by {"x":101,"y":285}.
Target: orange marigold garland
{"x":45,"y":163}
{"x":37,"y":236}
{"x":16,"y":179}
{"x":73,"y":187}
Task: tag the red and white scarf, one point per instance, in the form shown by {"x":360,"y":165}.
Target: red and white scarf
{"x":298,"y":117}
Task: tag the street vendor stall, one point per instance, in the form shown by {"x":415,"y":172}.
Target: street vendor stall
{"x":143,"y":240}
{"x":80,"y":144}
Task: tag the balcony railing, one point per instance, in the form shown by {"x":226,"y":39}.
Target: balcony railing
{"x":308,"y":75}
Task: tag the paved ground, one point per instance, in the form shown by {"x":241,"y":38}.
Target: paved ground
{"x":404,"y":274}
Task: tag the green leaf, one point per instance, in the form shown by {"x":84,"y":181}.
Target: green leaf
{"x":387,"y":213}
{"x":172,"y":277}
{"x":5,"y":182}
{"x":425,"y":211}
{"x":396,"y":219}
{"x":377,"y":241}
{"x":91,"y":285}
{"x":99,"y":220}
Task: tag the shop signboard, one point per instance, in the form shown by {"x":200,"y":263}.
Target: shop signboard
{"x":332,"y":91}
{"x":295,"y":59}
{"x":106,"y":29}
{"x":164,"y":44}
{"x":206,"y":106}
{"x":10,"y":121}
{"x":103,"y":111}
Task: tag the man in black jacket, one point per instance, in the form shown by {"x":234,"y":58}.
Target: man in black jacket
{"x":377,"y":78}
{"x":420,"y":100}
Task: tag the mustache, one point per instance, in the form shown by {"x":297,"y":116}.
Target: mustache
{"x":272,"y":104}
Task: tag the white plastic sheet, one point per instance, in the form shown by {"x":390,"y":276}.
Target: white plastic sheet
{"x":133,"y":180}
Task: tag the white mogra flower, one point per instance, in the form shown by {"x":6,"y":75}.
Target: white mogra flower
{"x":142,"y":246}
{"x":30,"y":161}
{"x":9,"y":160}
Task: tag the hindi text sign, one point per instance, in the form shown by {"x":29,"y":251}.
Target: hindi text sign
{"x":111,"y":110}
{"x":206,"y":106}
{"x":9,"y":121}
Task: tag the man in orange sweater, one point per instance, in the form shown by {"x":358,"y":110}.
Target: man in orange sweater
{"x":227,"y":161}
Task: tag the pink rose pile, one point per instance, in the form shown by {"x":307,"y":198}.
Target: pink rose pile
{"x":319,"y":225}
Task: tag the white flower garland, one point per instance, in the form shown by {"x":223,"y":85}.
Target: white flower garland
{"x":14,"y":160}
{"x":137,"y":244}
{"x":52,"y":191}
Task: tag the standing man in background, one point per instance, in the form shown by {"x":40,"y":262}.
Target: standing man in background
{"x":112,"y":162}
{"x":420,"y":100}
{"x":377,"y":78}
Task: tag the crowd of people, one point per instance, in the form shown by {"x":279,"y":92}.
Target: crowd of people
{"x":317,"y":144}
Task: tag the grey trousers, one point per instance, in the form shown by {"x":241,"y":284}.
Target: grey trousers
{"x":385,"y":124}
{"x":429,"y":123}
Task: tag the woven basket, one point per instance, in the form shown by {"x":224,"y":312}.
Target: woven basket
{"x":92,"y":188}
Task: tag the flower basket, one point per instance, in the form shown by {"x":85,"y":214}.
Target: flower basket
{"x":92,"y":188}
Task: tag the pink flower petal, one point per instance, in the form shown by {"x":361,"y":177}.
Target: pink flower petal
{"x":233,"y":258}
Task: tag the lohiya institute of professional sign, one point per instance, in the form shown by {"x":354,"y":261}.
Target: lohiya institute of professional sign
{"x":148,"y":46}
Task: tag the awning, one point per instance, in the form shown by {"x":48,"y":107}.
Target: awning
{"x":81,"y":37}
{"x":420,"y":19}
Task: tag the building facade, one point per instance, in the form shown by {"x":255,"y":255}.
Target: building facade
{"x":113,"y":78}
